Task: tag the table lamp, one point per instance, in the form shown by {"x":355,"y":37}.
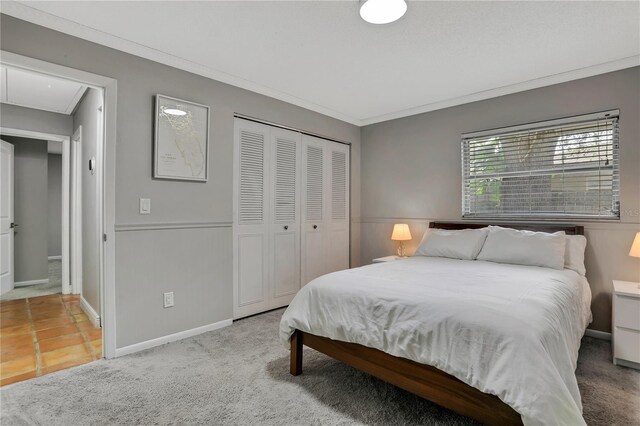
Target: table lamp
{"x":401,"y":233}
{"x":635,"y":248}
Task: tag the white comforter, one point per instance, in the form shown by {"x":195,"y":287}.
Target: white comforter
{"x":508,"y":330}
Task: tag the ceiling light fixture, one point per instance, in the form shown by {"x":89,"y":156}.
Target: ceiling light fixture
{"x":382,"y":11}
{"x":174,"y":111}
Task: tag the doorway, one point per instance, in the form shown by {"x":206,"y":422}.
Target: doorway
{"x":45,"y":332}
{"x":34,"y":212}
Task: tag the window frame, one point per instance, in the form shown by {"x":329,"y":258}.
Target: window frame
{"x":541,"y":126}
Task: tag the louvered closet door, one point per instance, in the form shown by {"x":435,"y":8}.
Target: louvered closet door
{"x":251,"y":237}
{"x":285,"y":214}
{"x":314,"y":208}
{"x":337,"y":222}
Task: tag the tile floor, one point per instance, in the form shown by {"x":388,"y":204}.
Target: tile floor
{"x":40,"y":335}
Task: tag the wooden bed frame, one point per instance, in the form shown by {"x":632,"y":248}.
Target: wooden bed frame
{"x":423,"y":380}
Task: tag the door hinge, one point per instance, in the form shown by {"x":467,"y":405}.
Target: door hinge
{"x":104,"y":237}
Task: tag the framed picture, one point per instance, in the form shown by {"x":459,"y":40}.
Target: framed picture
{"x":181,"y":140}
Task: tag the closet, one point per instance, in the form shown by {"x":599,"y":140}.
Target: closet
{"x":290,"y":214}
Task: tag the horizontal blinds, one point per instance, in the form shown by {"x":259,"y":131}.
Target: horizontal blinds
{"x":568,"y":170}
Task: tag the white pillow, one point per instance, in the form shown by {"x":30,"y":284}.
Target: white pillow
{"x":505,"y":245}
{"x":574,"y":253}
{"x":462,"y":244}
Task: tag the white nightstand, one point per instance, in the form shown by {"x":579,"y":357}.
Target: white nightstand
{"x":387,"y":259}
{"x":626,"y":323}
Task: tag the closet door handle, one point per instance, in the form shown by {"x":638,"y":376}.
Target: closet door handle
{"x":286,"y":227}
{"x":315,"y":226}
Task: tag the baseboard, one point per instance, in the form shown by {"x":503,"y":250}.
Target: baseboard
{"x":597,"y":334}
{"x":90,"y":312}
{"x":137,"y":347}
{"x":55,"y":257}
{"x":625,"y":363}
{"x":30,"y":282}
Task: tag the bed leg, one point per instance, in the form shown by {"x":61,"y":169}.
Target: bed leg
{"x":296,"y":353}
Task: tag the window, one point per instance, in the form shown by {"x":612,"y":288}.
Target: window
{"x":566,"y":168}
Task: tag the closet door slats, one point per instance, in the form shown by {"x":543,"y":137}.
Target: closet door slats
{"x":338,"y":185}
{"x":285,"y":184}
{"x":315,"y":183}
{"x":251,"y":192}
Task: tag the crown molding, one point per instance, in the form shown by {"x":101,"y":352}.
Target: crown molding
{"x":631,"y":61}
{"x":38,"y":17}
{"x":27,"y":13}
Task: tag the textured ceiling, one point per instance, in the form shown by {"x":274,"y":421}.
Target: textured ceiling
{"x":321,"y":55}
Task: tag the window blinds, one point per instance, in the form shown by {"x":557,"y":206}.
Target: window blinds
{"x":565,"y":168}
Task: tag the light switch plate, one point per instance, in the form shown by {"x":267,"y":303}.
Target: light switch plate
{"x":168,"y":299}
{"x":145,"y":206}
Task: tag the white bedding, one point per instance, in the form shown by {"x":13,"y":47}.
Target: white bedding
{"x":508,"y":330}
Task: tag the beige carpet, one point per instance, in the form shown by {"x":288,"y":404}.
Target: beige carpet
{"x":239,"y":376}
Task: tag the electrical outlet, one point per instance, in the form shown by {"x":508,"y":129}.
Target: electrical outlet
{"x":168,"y":299}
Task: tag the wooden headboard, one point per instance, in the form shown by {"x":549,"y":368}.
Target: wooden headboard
{"x":540,"y":227}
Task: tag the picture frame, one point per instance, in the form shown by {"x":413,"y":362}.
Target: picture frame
{"x":181,"y":140}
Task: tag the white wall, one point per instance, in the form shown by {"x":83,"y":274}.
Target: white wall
{"x":86,"y":115}
{"x":411,"y":171}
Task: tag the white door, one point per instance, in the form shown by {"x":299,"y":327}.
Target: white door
{"x":285,"y":217}
{"x":314,"y":210}
{"x":251,"y":238}
{"x":6,"y":217}
{"x":337,"y":222}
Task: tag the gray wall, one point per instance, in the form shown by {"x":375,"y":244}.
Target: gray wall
{"x":411,"y":171}
{"x":30,"y":208}
{"x":86,"y":115}
{"x":54,"y":208}
{"x":151,"y":256}
{"x":17,"y":117}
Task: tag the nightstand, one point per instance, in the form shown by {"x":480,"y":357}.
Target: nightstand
{"x":387,"y":259}
{"x":626,"y":324}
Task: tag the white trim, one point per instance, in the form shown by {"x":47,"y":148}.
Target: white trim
{"x":75,"y":214}
{"x":30,"y":282}
{"x":66,"y":217}
{"x":597,"y":334}
{"x":109,"y":88}
{"x":55,"y":257}
{"x":137,"y":347}
{"x":90,"y":312}
{"x":626,"y":363}
{"x":36,"y":16}
{"x":65,"y":141}
{"x":631,"y":61}
{"x":123,"y":227}
{"x":31,"y":134}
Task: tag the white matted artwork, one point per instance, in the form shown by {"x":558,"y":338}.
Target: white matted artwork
{"x":181,"y":146}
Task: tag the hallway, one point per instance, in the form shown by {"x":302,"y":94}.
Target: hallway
{"x":44,"y":334}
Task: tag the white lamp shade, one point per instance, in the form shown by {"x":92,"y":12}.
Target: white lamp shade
{"x":382,"y":11}
{"x":635,"y":247}
{"x":401,"y":232}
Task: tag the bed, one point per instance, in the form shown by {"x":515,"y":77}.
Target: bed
{"x":495,"y":342}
